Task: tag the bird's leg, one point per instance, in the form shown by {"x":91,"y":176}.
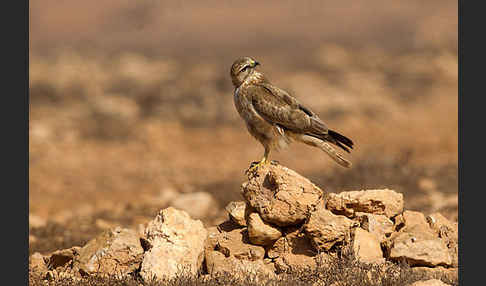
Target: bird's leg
{"x":255,"y":165}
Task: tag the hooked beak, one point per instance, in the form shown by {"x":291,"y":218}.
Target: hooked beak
{"x":256,"y":64}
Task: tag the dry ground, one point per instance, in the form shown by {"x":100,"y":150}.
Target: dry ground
{"x":129,"y":100}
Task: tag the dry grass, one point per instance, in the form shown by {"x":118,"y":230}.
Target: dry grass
{"x":344,"y":271}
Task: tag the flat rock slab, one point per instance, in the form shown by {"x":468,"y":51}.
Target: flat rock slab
{"x":281,"y":196}
{"x":419,"y":249}
{"x":382,"y":202}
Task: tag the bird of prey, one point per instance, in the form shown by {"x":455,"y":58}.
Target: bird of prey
{"x":276,"y":119}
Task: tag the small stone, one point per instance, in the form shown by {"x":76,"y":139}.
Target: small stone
{"x":379,"y":225}
{"x":237,"y":212}
{"x":260,"y":232}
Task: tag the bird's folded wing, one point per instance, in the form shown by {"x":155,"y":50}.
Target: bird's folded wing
{"x":278,"y":107}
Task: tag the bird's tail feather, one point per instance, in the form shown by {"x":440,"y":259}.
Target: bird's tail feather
{"x":341,"y":140}
{"x":335,"y":138}
{"x":324,"y":146}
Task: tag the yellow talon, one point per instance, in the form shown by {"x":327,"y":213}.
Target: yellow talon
{"x":262,"y":162}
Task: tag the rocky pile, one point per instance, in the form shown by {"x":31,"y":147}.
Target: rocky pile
{"x":285,"y":224}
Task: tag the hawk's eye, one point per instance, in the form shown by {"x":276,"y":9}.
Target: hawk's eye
{"x":244,"y":69}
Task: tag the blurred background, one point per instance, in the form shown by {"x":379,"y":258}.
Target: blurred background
{"x":131,"y":104}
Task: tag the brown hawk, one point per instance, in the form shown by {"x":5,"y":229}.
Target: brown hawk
{"x":275,"y":118}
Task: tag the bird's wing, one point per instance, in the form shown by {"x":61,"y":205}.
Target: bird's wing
{"x":278,"y":107}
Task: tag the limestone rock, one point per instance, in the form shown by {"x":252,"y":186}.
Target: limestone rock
{"x":366,"y":247}
{"x":177,"y":245}
{"x":326,"y":229}
{"x":430,"y":282}
{"x":292,"y":251}
{"x":198,"y":205}
{"x":237,"y":212}
{"x":260,"y":232}
{"x":385,"y":202}
{"x":379,"y":225}
{"x":419,"y":248}
{"x":217,"y":262}
{"x":117,"y":251}
{"x":235,"y":244}
{"x":413,"y":221}
{"x":280,"y":195}
{"x":448,"y":232}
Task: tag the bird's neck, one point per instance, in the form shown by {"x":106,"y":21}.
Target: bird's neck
{"x":255,"y":77}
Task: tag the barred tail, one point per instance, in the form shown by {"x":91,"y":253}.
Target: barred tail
{"x":334,"y":155}
{"x":324,"y":146}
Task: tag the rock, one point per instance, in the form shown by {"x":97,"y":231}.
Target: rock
{"x":439,"y":224}
{"x":177,"y":245}
{"x":237,"y":212}
{"x":292,"y":252}
{"x":325,"y":229}
{"x":63,"y":257}
{"x":366,"y":247}
{"x":416,"y":242}
{"x":37,"y":264}
{"x":413,"y":221}
{"x":280,"y":195}
{"x":382,"y":202}
{"x":235,"y":244}
{"x":431,"y":282}
{"x":448,"y":232}
{"x":379,"y":225}
{"x":117,"y":251}
{"x":260,"y":232}
{"x":198,"y":205}
{"x":294,"y":241}
{"x":419,"y":249}
{"x":217,"y":262}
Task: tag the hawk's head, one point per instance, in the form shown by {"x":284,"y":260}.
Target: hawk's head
{"x":241,"y":68}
